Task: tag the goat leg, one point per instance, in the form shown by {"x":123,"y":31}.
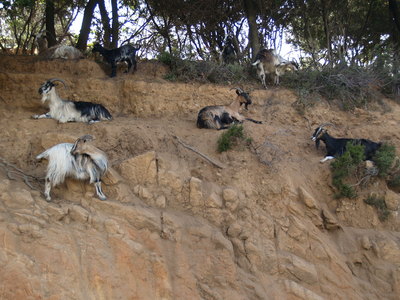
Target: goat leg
{"x":43,"y":116}
{"x":99,"y":191}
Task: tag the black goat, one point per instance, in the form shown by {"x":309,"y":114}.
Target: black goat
{"x":228,"y":52}
{"x":113,"y":56}
{"x":336,"y":147}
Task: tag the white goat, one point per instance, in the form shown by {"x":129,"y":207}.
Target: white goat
{"x":269,"y":62}
{"x":57,"y":51}
{"x":69,"y":111}
{"x":79,"y":160}
{"x":221,"y":117}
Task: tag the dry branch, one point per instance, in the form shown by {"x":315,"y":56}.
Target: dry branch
{"x":15,"y":173}
{"x":210,"y":160}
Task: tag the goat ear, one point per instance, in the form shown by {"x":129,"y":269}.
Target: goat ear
{"x":317,"y":141}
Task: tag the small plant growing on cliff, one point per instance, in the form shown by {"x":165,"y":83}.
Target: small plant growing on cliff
{"x":345,"y":166}
{"x":380,"y":205}
{"x":232,"y":137}
{"x":384,"y":159}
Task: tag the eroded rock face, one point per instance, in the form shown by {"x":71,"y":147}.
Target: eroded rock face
{"x":175,"y":227}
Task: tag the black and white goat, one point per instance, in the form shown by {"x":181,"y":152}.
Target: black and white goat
{"x":69,"y":111}
{"x":79,"y":160}
{"x":113,"y":56}
{"x":269,"y":62}
{"x":222,"y":116}
{"x":336,"y":147}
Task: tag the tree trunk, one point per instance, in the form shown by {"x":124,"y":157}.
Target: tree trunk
{"x":327,"y":31}
{"x":85,"y":27}
{"x":250,"y":9}
{"x":105,"y":20}
{"x":115,"y":24}
{"x":50,"y":28}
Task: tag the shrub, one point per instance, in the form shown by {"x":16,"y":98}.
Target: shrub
{"x":205,"y":71}
{"x":347,"y":166}
{"x":232,"y":137}
{"x":380,"y":205}
{"x":351,"y":86}
{"x":384,"y":159}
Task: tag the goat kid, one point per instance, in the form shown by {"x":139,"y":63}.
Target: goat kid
{"x":335,"y":147}
{"x":221,"y":117}
{"x":269,"y":62}
{"x":69,"y":111}
{"x":113,"y":56}
{"x":79,"y":160}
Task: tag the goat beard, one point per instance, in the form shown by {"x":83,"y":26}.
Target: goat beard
{"x":317,"y":141}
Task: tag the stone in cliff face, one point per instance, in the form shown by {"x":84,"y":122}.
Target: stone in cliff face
{"x":392,"y":200}
{"x":141,"y":169}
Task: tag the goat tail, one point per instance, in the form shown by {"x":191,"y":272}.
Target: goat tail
{"x":44,"y":154}
{"x":254,"y":121}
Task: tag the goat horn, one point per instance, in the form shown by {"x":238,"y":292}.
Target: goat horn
{"x":238,"y":89}
{"x":326,"y":124}
{"x":58,"y":79}
{"x":86,"y":137}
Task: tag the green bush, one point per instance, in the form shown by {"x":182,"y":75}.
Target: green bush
{"x":347,"y":166}
{"x":380,"y":205}
{"x":232,"y":137}
{"x":384,"y":159}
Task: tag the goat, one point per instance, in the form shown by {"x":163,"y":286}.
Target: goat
{"x":124,"y":53}
{"x":69,"y":111}
{"x":57,"y":51}
{"x":221,"y":117}
{"x":79,"y":160}
{"x":335,"y":147}
{"x":228,"y":53}
{"x":269,"y":62}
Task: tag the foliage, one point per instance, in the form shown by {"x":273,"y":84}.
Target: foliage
{"x":384,"y":159}
{"x":380,"y":205}
{"x":232,"y":137}
{"x":204,"y":71}
{"x":347,"y":166}
{"x":351,"y":86}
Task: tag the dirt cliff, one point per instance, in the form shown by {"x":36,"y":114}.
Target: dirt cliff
{"x":265,"y":226}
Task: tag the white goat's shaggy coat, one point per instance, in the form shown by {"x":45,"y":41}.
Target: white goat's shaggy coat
{"x":62,"y":163}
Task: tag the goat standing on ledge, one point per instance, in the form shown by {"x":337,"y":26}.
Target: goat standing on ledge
{"x":79,"y":160}
{"x":69,"y":111}
{"x":336,"y":147}
{"x":269,"y":62}
{"x":221,"y":117}
{"x":113,"y":56}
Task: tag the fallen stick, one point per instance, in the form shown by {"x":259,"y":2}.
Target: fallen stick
{"x":198,"y":152}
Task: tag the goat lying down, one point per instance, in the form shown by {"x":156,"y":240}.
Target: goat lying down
{"x":269,"y":62}
{"x":221,"y":117}
{"x":57,"y":51}
{"x":113,"y":56}
{"x":79,"y":160}
{"x":335,"y":147}
{"x":69,"y":111}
